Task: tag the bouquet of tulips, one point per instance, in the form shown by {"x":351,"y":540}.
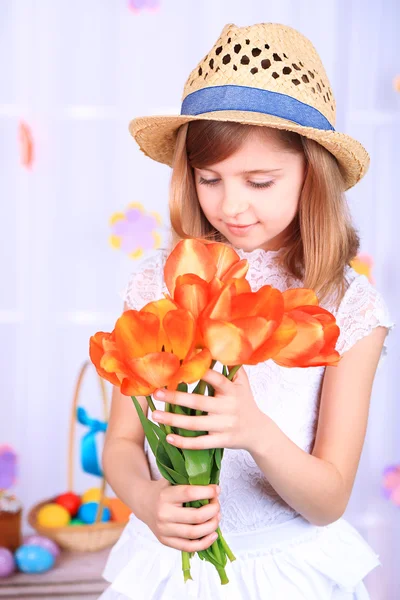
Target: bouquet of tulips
{"x":210,"y":314}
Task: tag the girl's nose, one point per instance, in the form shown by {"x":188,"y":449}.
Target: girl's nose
{"x":233,"y":204}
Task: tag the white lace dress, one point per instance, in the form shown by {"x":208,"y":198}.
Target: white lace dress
{"x":279,"y":554}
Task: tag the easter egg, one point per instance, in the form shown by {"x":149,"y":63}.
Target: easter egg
{"x":7,"y":562}
{"x":119,"y":511}
{"x":33,"y":559}
{"x":87,"y":513}
{"x":75,"y":522}
{"x":43,"y":542}
{"x":53,"y":515}
{"x":69,"y":501}
{"x":93,"y":495}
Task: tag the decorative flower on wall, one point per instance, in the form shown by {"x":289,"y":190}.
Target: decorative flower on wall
{"x":8,"y":467}
{"x":138,"y":5}
{"x":363,"y":264}
{"x":391,"y":484}
{"x":25,"y":144}
{"x":135,"y":231}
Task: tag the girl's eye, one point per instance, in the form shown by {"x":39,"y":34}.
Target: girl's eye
{"x":208,"y":181}
{"x":265,"y":184}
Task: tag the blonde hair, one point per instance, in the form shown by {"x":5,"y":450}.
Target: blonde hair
{"x":321,"y":240}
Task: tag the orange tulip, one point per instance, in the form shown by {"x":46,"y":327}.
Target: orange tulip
{"x":317,"y":332}
{"x":150,"y":348}
{"x":246,"y":328}
{"x":195,"y":272}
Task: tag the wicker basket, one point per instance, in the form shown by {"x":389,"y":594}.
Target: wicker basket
{"x":85,"y":538}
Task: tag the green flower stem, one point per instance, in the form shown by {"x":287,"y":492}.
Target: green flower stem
{"x":151,"y":403}
{"x":186,"y":566}
{"x":233,"y":371}
{"x":153,"y":408}
{"x":222,"y":575}
{"x":216,"y":551}
{"x":168,"y":428}
{"x":225,"y":546}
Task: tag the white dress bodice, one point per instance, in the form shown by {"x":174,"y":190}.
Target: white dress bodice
{"x":290,"y":396}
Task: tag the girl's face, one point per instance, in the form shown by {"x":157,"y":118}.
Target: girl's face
{"x":252,"y":196}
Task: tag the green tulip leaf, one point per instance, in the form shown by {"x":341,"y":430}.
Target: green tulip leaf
{"x":198,"y":466}
{"x":147,"y":426}
{"x":174,"y":454}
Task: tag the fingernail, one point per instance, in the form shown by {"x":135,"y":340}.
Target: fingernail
{"x":170,"y":439}
{"x":218,"y":489}
{"x":159,"y":394}
{"x":214,"y":536}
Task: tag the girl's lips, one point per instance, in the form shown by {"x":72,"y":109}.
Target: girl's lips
{"x":240,"y":230}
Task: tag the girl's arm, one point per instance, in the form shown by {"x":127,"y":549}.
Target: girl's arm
{"x":318,"y":485}
{"x":124,"y":461}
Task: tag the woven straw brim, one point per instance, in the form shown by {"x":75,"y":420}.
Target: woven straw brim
{"x":156,"y":136}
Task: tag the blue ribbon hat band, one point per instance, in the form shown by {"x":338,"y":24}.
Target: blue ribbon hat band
{"x":238,"y":97}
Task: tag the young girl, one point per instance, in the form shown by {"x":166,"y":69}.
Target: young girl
{"x":257,"y":164}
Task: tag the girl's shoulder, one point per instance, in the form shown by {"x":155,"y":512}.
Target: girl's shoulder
{"x":361,"y":309}
{"x":146,"y":282}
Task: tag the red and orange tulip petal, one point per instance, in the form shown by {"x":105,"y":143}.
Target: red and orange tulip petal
{"x":112,"y":362}
{"x":96,"y":353}
{"x":220,"y":305}
{"x":136,"y":333}
{"x":241,"y":286}
{"x":328,"y":322}
{"x":156,"y":368}
{"x":237,"y":270}
{"x":226,"y":342}
{"x":188,"y":256}
{"x":192,"y":293}
{"x":267,"y":302}
{"x":281,"y":337}
{"x":327,"y":355}
{"x":193,"y":369}
{"x":180,"y":328}
{"x":256,"y":329}
{"x":307,"y":343}
{"x":215,"y":286}
{"x":136,"y":387}
{"x":324,"y":360}
{"x":224,"y":257}
{"x":160,"y":308}
{"x":299,"y":297}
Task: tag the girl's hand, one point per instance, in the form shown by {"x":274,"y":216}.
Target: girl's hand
{"x":233,"y":416}
{"x":184,"y":528}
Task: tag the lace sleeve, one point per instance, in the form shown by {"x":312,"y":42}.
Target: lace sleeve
{"x":146,"y":283}
{"x":361,"y":310}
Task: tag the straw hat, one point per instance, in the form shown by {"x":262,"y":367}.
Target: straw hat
{"x":264,"y":74}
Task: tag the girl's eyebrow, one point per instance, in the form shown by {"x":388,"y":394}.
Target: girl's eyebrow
{"x":253,"y":172}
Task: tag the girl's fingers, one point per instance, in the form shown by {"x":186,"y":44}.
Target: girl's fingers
{"x":191,"y":545}
{"x":196,"y":401}
{"x":188,"y":531}
{"x":201,"y":423}
{"x":180,"y":494}
{"x":195,"y":516}
{"x":201,"y":442}
{"x":220,"y":383}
